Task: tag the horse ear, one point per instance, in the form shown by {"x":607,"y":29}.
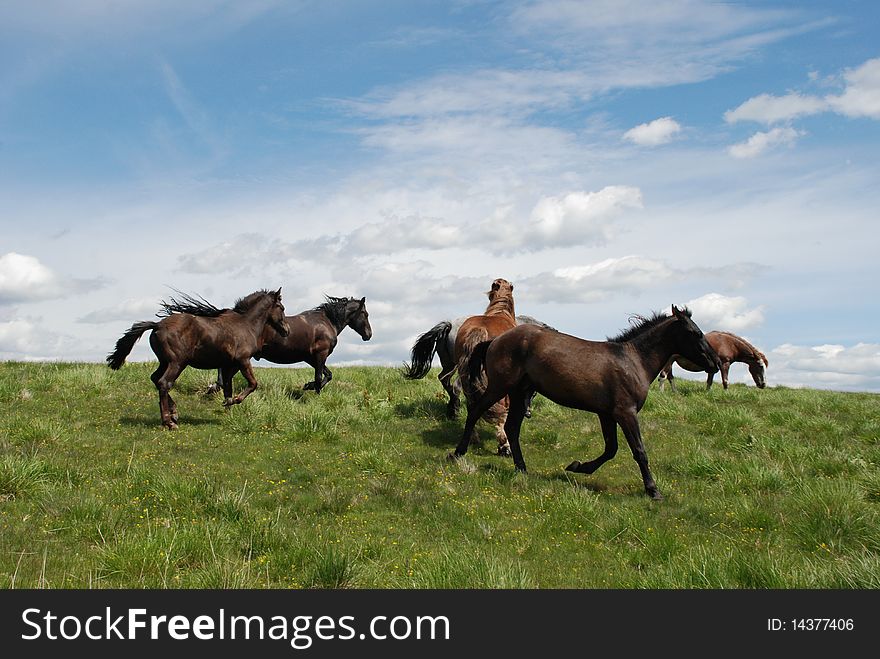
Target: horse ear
{"x":676,"y":311}
{"x":363,"y":301}
{"x":278,"y":292}
{"x":495,"y":285}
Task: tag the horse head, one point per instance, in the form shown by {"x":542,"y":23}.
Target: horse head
{"x":757,"y":368}
{"x":690,"y":342}
{"x":500,"y":287}
{"x":276,"y":314}
{"x":358,"y":318}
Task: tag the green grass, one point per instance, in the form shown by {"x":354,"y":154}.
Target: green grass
{"x":350,"y":489}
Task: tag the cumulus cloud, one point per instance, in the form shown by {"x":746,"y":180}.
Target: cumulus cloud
{"x":714,"y":311}
{"x":761,"y":141}
{"x":830,"y":366}
{"x":769,"y":109}
{"x":861,"y":98}
{"x":131,"y":309}
{"x":23,"y":278}
{"x":654,"y":133}
{"x":630,"y":274}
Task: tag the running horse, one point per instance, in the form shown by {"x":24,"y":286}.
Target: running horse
{"x":312,"y":338}
{"x":497,"y":319}
{"x":609,"y":378}
{"x":730,"y":348}
{"x":440,"y":340}
{"x":206,"y":337}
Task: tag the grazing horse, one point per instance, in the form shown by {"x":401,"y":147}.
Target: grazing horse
{"x":440,"y":339}
{"x":497,"y":319}
{"x":313,"y":336}
{"x":205,"y":337}
{"x":730,"y":348}
{"x":610,"y":378}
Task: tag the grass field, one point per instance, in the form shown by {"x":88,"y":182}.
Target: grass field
{"x":777,"y":488}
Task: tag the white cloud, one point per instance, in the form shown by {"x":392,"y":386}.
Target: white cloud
{"x":760,"y":142}
{"x":830,"y":366}
{"x":654,"y":133}
{"x":31,"y":339}
{"x":130,"y":309}
{"x":23,"y":278}
{"x":714,"y":311}
{"x":769,"y":109}
{"x":861,"y":98}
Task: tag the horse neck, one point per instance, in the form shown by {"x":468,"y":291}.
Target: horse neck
{"x":501,"y":306}
{"x":653,"y":348}
{"x":338,"y":326}
{"x":255,"y":318}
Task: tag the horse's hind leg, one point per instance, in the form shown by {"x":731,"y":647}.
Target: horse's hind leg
{"x":475,"y":411}
{"x":225,"y":377}
{"x":630,"y":424}
{"x":445,"y":378}
{"x":248,"y":372}
{"x":167,"y":407}
{"x":519,"y":403}
{"x":217,"y":385}
{"x":609,"y":433}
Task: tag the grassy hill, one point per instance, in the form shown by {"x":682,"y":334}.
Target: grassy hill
{"x":764,"y":489}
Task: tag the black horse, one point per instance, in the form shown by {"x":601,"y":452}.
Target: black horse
{"x":312,"y":338}
{"x":195,"y":333}
{"x":610,"y":378}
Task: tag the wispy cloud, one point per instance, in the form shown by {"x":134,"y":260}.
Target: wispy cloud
{"x":762,"y":141}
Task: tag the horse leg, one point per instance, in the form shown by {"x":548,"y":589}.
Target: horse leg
{"x":529,"y":400}
{"x":217,"y":385}
{"x":498,"y":416}
{"x":709,"y":381}
{"x":167,"y":408}
{"x":516,"y":412}
{"x":155,"y":377}
{"x":329,"y":376}
{"x":725,"y":368}
{"x":630,"y":424}
{"x":248,"y":372}
{"x":475,"y":411}
{"x":609,"y":433}
{"x":225,"y":377}
{"x":445,"y":378}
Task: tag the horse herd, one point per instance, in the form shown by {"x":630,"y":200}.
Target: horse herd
{"x":501,"y":360}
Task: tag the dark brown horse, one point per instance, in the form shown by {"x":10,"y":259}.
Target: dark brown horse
{"x":207,"y":338}
{"x":730,"y":348}
{"x":313,"y":336}
{"x":440,"y":339}
{"x":609,"y":378}
{"x":497,"y":319}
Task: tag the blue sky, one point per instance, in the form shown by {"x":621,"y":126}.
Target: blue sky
{"x":609,"y":158}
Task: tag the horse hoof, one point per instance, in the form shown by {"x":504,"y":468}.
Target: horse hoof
{"x":528,"y":414}
{"x":451,"y":457}
{"x":655,"y":495}
{"x":170,"y":426}
{"x":574,"y":466}
{"x":175,"y":419}
{"x":504,"y":450}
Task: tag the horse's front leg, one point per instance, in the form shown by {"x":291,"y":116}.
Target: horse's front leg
{"x":630,"y":424}
{"x":248,"y":372}
{"x":225,"y":376}
{"x":725,"y":369}
{"x":609,"y":433}
{"x":516,"y":412}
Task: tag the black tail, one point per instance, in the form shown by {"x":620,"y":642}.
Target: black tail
{"x":423,"y":351}
{"x":477,"y":360}
{"x":116,"y":359}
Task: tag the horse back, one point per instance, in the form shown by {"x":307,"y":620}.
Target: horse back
{"x":310,"y":333}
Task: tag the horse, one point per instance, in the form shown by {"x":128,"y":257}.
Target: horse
{"x":205,"y":337}
{"x":730,"y":348}
{"x":609,"y":378}
{"x":313,"y":336}
{"x":440,"y":339}
{"x":497,"y":319}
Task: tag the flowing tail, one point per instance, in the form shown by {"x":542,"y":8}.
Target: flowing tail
{"x":423,"y":351}
{"x":473,"y":383}
{"x":477,"y":361}
{"x":116,"y":359}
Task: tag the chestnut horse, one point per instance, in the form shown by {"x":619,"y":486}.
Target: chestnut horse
{"x":313,"y":336}
{"x":497,"y":319}
{"x":209,"y":338}
{"x":730,"y":348}
{"x":610,"y":378}
{"x":440,"y":339}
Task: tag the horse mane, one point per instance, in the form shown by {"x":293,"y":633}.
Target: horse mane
{"x":752,"y":349}
{"x":335,"y":309}
{"x":639,"y":325}
{"x":243,"y":304}
{"x":195,"y":305}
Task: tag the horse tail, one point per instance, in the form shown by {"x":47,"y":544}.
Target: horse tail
{"x":116,"y":359}
{"x":477,"y":361}
{"x":423,"y":351}
{"x":472,"y":383}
